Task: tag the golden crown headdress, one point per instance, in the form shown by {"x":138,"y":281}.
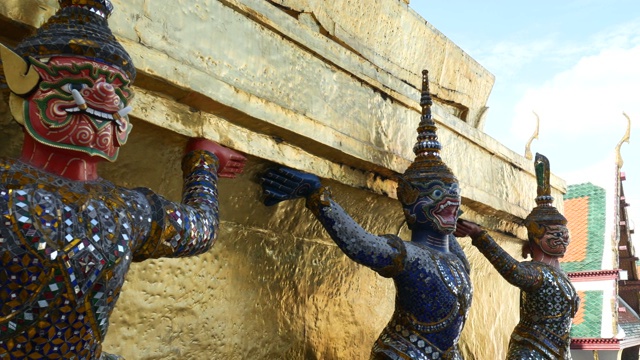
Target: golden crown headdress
{"x":544,"y":213}
{"x":79,"y":28}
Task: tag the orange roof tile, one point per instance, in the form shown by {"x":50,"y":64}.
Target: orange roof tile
{"x":577,"y":213}
{"x":579,"y":318}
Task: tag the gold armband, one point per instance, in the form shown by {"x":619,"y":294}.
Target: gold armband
{"x":318,"y":199}
{"x":200,"y":158}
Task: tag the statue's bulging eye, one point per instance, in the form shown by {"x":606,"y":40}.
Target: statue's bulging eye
{"x":68,"y":87}
{"x":437,"y":193}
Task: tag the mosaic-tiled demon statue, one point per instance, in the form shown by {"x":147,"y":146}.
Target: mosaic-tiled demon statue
{"x":67,"y":237}
{"x":548,"y":300}
{"x":431,"y":273}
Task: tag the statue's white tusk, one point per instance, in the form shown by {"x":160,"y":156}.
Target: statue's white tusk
{"x":82,"y":104}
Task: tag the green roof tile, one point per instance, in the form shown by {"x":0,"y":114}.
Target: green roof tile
{"x":589,"y":323}
{"x":596,"y":222}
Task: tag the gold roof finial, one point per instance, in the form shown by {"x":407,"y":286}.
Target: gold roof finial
{"x":527,"y":149}
{"x":625,"y":138}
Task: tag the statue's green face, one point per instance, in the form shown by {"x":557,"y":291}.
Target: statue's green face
{"x":554,"y":240}
{"x":53,"y":117}
{"x":436,"y":206}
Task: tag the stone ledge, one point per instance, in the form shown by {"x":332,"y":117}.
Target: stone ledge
{"x":298,"y":115}
{"x":503,"y":185}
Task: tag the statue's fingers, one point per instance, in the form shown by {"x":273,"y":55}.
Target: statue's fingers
{"x":271,"y":193}
{"x":237,"y":157}
{"x":268,"y":176}
{"x":268,"y":183}
{"x":277,"y":175}
{"x":289,"y":174}
{"x":276,"y":186}
{"x":290,"y":184}
{"x":278,"y":178}
{"x":234,"y":167}
{"x":273,"y":197}
{"x":235,"y":164}
{"x":228,"y":174}
{"x":230,"y":170}
{"x":284,"y":182}
{"x":461,"y":231}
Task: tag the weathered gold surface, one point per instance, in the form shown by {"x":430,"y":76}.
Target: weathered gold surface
{"x":318,"y":91}
{"x":274,"y":286}
{"x":397,"y":40}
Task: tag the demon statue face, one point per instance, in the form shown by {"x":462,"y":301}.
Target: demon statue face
{"x":79,"y":105}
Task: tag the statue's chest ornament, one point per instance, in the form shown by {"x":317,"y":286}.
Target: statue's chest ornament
{"x":454,"y":276}
{"x":81,"y":242}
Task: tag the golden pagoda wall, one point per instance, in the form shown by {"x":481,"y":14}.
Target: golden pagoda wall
{"x":322,"y":87}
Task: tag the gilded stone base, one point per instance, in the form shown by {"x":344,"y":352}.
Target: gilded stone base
{"x":324,"y":98}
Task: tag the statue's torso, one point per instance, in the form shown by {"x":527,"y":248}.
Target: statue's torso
{"x":65,"y":247}
{"x":433,"y":297}
{"x":546,"y":315}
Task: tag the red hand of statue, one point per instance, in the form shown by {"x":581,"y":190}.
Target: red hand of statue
{"x":467,"y":228}
{"x":231,"y":162}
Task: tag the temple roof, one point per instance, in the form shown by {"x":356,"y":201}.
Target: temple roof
{"x":588,"y":320}
{"x":629,"y":321}
{"x":603,"y":286}
{"x":585,"y":210}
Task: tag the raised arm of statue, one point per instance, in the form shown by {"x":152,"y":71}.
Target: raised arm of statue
{"x":520,"y":274}
{"x":384,"y":254}
{"x":190,"y":227}
{"x":548,"y":300}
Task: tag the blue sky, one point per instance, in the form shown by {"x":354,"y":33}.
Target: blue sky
{"x":576,"y":63}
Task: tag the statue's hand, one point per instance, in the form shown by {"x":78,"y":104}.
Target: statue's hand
{"x":467,"y":228}
{"x":231,"y":163}
{"x":282,"y":184}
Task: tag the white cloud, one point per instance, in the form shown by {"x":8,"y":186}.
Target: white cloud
{"x":582,"y":122}
{"x":507,"y":58}
{"x":622,"y":36}
{"x":600,"y":173}
{"x":586,"y":100}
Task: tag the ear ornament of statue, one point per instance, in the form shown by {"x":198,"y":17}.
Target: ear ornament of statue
{"x":407,"y":194}
{"x":21,"y":77}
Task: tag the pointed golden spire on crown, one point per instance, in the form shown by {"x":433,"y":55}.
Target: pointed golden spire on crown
{"x":427,"y":146}
{"x":428,"y":164}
